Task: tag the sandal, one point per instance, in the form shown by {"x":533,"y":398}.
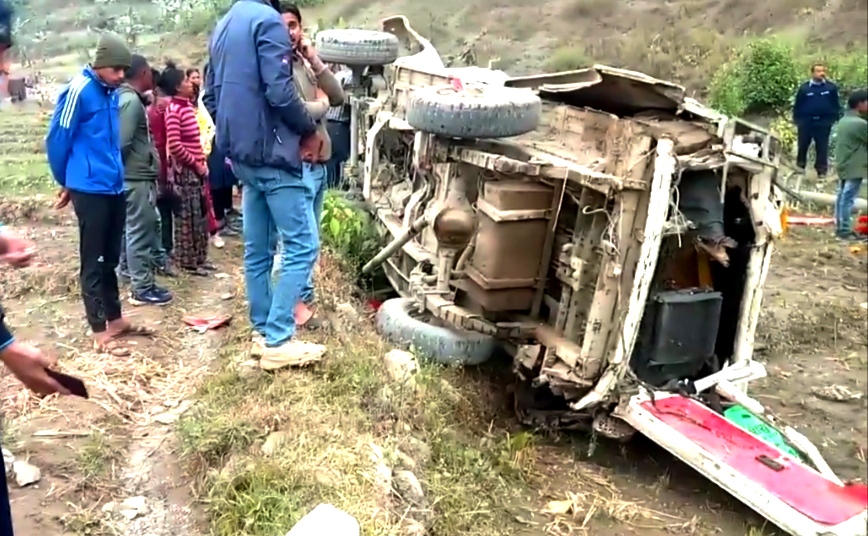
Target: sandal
{"x":208,"y":266}
{"x":199,"y":272}
{"x":135,"y":331}
{"x":112,"y":347}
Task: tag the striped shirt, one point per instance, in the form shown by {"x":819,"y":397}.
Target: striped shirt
{"x":183,"y":141}
{"x":341,"y":113}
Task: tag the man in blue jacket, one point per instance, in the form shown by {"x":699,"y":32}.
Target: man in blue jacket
{"x":264,"y":128}
{"x":84,"y":153}
{"x":816,"y":109}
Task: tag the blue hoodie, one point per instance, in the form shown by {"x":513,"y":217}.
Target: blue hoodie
{"x":83,"y":142}
{"x":817,"y":104}
{"x":260,"y":117}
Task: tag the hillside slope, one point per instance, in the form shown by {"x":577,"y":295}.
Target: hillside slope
{"x":685,"y":40}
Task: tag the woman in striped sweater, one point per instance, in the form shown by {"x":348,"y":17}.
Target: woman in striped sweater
{"x":187,"y":173}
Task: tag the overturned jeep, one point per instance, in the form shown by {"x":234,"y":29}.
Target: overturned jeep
{"x":612,"y":235}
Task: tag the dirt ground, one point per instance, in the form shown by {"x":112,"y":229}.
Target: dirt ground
{"x":118,"y":444}
{"x":121,"y":443}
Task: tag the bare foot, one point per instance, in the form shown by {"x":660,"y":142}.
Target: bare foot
{"x":123,"y":327}
{"x":105,"y":343}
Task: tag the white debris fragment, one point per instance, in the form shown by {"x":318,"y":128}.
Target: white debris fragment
{"x":325,"y":519}
{"x":133,"y":507}
{"x":400,"y":365}
{"x":25,"y":473}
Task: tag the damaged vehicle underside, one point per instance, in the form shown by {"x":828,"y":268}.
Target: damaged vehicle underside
{"x":611,"y":234}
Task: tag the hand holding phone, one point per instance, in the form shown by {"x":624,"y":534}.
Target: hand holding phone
{"x":72,"y":384}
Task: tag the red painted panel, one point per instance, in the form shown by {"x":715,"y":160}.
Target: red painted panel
{"x":800,"y":487}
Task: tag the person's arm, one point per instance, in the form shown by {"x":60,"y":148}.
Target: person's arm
{"x":174,"y":146}
{"x":798,"y":105}
{"x":274,"y":53}
{"x":209,"y":97}
{"x":319,"y":107}
{"x":63,"y":126}
{"x":331,"y":86}
{"x":130,"y":110}
{"x":836,"y":102}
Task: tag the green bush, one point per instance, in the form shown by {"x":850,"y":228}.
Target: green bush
{"x":569,"y":58}
{"x":348,"y":231}
{"x":761,"y":78}
{"x":849,"y":71}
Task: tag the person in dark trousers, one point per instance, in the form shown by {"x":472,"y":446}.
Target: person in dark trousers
{"x":851,"y":161}
{"x":141,"y":169}
{"x":816,"y":109}
{"x":338,"y":125}
{"x":166,"y":202}
{"x":84,"y":154}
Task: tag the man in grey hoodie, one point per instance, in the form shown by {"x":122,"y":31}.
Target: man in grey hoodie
{"x":141,"y":167}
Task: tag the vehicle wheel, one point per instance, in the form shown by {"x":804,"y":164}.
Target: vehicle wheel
{"x":448,"y":346}
{"x":477,"y":111}
{"x":357,"y":47}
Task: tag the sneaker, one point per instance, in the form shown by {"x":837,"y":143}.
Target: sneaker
{"x":294,"y":353}
{"x":229,"y":231}
{"x":217,"y":242}
{"x":152,"y":296}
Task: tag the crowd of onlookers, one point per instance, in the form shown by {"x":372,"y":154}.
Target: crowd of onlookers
{"x":149,"y":161}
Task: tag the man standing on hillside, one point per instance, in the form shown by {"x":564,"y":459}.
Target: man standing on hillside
{"x":84,"y":155}
{"x":141,"y":168}
{"x":851,"y":160}
{"x":815,"y":111}
{"x":266,"y":131}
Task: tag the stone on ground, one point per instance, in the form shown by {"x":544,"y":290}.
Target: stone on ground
{"x":324,"y":520}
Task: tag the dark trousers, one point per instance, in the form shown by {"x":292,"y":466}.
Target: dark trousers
{"x":101,"y":221}
{"x":5,"y":506}
{"x":339,"y":133}
{"x":221,"y":199}
{"x":164,"y":205}
{"x":818,"y":134}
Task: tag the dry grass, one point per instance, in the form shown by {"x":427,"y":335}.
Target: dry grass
{"x":266,"y":448}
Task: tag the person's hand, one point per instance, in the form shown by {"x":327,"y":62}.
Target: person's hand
{"x":310,"y":147}
{"x":28,"y":364}
{"x":202,"y":169}
{"x":62,"y":199}
{"x":16,"y":251}
{"x":306,"y":48}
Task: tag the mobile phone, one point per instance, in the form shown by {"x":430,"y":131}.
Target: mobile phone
{"x":72,"y":384}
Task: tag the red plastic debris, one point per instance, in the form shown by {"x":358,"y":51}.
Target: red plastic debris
{"x":861,"y":225}
{"x":456,"y":84}
{"x":204,"y":323}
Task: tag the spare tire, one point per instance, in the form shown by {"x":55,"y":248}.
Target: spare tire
{"x":448,"y":346}
{"x":357,"y":47}
{"x":475,"y":111}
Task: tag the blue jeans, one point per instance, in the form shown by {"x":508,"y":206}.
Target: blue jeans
{"x":847,"y":190}
{"x":315,"y":179}
{"x":276,"y":207}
